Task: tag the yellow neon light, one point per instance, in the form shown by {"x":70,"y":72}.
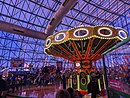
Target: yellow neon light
{"x":58,"y":36}
{"x":119,"y":32}
{"x":104,"y":34}
{"x":88,"y":78}
{"x":78,"y":85}
{"x":87,"y":32}
{"x":116,"y":37}
{"x":47,"y":42}
{"x":68,"y":33}
{"x":104,"y":82}
{"x":71,"y":81}
{"x":99,"y":84}
{"x":68,"y":83}
{"x":77,"y":39}
{"x":82,"y":82}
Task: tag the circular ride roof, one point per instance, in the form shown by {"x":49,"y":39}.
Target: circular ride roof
{"x":84,"y":42}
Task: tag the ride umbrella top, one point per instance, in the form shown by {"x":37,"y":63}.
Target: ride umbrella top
{"x":84,"y":42}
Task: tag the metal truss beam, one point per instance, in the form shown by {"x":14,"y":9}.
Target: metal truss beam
{"x":11,"y":28}
{"x":123,"y":15}
{"x":57,"y":18}
{"x":21,"y":20}
{"x":79,"y":20}
{"x":80,"y":12}
{"x":99,"y":6}
{"x":123,"y":1}
{"x":92,"y":16}
{"x":119,"y":54}
{"x":20,"y":9}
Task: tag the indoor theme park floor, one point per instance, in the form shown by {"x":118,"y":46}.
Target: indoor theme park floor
{"x":39,"y":92}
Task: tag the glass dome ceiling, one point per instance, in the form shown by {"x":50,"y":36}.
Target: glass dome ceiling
{"x":37,"y":14}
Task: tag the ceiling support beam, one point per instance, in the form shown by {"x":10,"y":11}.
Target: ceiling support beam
{"x":15,"y":29}
{"x":58,"y":16}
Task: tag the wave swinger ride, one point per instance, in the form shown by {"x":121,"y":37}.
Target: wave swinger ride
{"x":83,"y":45}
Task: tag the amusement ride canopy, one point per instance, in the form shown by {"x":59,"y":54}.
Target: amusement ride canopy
{"x":83,"y":43}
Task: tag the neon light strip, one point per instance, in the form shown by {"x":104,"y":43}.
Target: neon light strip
{"x":99,"y":84}
{"x":106,"y":29}
{"x":68,"y":83}
{"x":58,"y":35}
{"x":71,"y":81}
{"x":116,"y":37}
{"x":78,"y":83}
{"x":121,"y":35}
{"x":47,"y":41}
{"x":88,"y":78}
{"x":104,"y":82}
{"x":82,"y":82}
{"x":87,"y":32}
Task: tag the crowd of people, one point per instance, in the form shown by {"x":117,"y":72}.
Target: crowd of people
{"x":14,"y":82}
{"x":93,"y":88}
{"x":46,"y":76}
{"x":120,"y":73}
{"x":41,"y":77}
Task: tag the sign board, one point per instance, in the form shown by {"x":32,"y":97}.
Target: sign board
{"x":115,"y":84}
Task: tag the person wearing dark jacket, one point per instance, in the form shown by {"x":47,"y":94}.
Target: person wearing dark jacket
{"x":71,"y":92}
{"x":3,"y":86}
{"x":62,"y":94}
{"x":128,"y":79}
{"x":64,"y":81}
{"x":93,"y":87}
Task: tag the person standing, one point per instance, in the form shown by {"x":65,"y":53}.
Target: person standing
{"x":64,"y":81}
{"x":128,"y":79}
{"x":93,"y":86}
{"x":71,"y":92}
{"x":62,"y":94}
{"x":3,"y":87}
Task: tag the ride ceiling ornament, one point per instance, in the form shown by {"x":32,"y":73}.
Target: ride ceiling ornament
{"x":83,"y":43}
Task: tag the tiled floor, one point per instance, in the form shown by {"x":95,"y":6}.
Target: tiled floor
{"x":37,"y":92}
{"x":41,"y":92}
{"x":89,"y":96}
